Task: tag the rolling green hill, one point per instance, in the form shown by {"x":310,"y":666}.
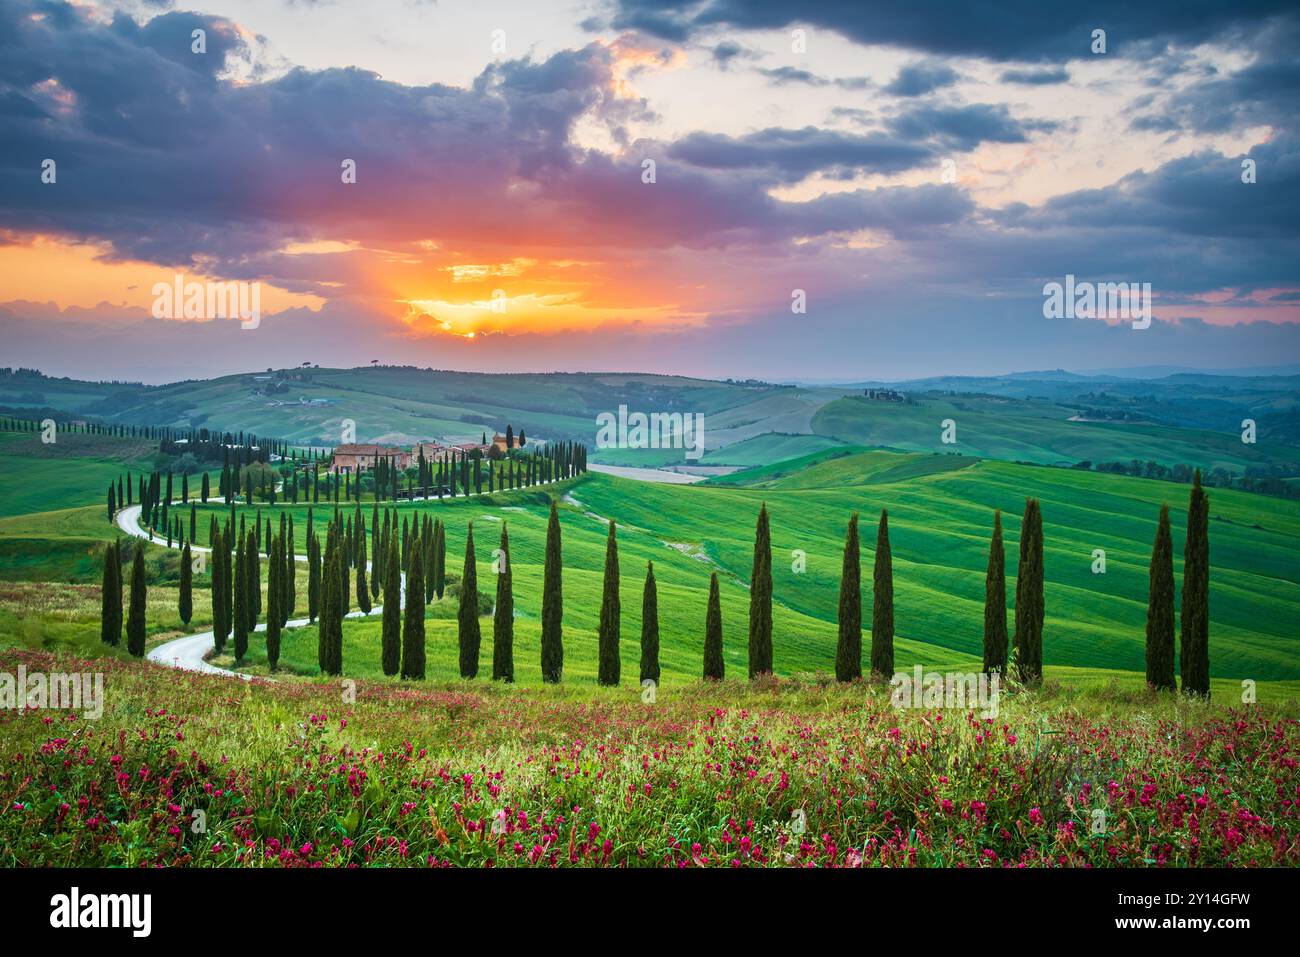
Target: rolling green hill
{"x":403,"y":404}
{"x":73,"y":470}
{"x":940,"y":521}
{"x":1032,"y":430}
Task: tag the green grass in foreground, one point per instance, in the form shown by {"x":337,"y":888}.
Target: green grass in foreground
{"x":774,"y":773}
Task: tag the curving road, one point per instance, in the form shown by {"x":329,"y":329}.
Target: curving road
{"x":190,"y":652}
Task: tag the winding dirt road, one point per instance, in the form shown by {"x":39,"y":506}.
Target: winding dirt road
{"x":190,"y":652}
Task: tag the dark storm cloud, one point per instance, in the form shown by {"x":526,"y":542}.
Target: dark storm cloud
{"x":917,"y":79}
{"x":783,"y":75}
{"x":1200,"y":195}
{"x":964,"y":127}
{"x":1027,"y":30}
{"x":1036,"y":77}
{"x":789,"y":155}
{"x":1265,"y":93}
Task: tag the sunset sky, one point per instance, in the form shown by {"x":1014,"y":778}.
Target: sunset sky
{"x":920,"y":170}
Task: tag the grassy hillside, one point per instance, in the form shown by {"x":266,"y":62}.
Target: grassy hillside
{"x":844,"y":467}
{"x":940,"y":522}
{"x":406,"y":404}
{"x":758,"y":450}
{"x":73,"y":470}
{"x":1035,"y":431}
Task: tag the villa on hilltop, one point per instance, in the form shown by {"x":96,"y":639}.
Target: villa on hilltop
{"x":357,"y":458}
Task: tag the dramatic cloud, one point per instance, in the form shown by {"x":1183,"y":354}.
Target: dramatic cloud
{"x":917,"y":79}
{"x":1016,"y":30}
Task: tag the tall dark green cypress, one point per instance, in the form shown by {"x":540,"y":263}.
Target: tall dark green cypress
{"x":650,"y":627}
{"x":290,"y":575}
{"x":110,"y":604}
{"x":467,"y":626}
{"x":882,"y":604}
{"x":239,"y":613}
{"x":313,"y":576}
{"x":363,"y":590}
{"x":760,"y":600}
{"x":254,"y":579}
{"x":503,"y":617}
{"x":245,"y":614}
{"x":552,"y":603}
{"x":413,"y":625}
{"x":341,"y":591}
{"x":119,"y":617}
{"x":429,"y":542}
{"x":139,"y":596}
{"x":186,"y":597}
{"x":329,"y":605}
{"x":1029,"y":597}
{"x":995,"y":603}
{"x":1194,"y":647}
{"x":220,"y":611}
{"x":274,"y":601}
{"x":440,"y":559}
{"x":715,"y":668}
{"x":848,"y":648}
{"x":610,"y":663}
{"x":1160,"y":608}
{"x":392,"y":614}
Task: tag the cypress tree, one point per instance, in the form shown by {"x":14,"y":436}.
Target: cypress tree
{"x":313,"y":577}
{"x":329,"y":605}
{"x":1029,"y":597}
{"x":220,"y":611}
{"x":995,"y":603}
{"x":503,"y":617}
{"x":118,"y":617}
{"x":239,"y":614}
{"x":392,"y":613}
{"x":760,"y":600}
{"x":1160,"y":609}
{"x":363,"y":590}
{"x":186,"y":599}
{"x":139,"y":596}
{"x":112,"y":501}
{"x":254,"y":582}
{"x":274,"y":600}
{"x":413,"y":626}
{"x":343,"y":594}
{"x":1194,"y":648}
{"x":440,"y":559}
{"x":290,"y":574}
{"x":381,"y":556}
{"x":650,"y":627}
{"x":428,"y":541}
{"x":882,"y":604}
{"x":245,"y":616}
{"x":345,"y":591}
{"x":714,"y":667}
{"x":848,"y":649}
{"x":610,"y":666}
{"x":552,"y":604}
{"x":467,"y":614}
{"x":110,"y":605}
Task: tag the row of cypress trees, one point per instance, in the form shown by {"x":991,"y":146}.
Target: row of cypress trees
{"x":403,"y":637}
{"x":1028,"y":640}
